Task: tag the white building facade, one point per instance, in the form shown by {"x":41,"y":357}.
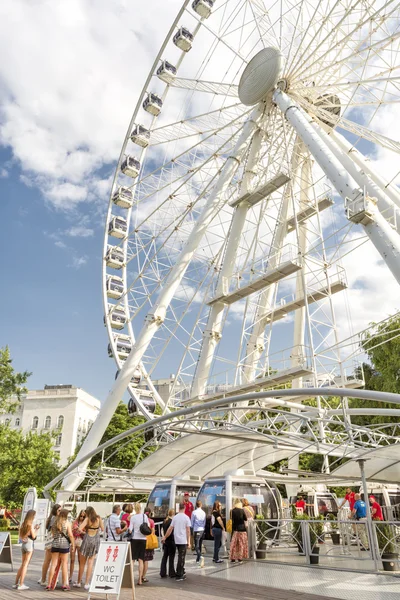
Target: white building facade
{"x":63,"y":410}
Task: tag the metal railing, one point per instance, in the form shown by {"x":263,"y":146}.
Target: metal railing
{"x":335,"y":543}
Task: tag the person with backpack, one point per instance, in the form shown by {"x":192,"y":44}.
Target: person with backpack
{"x":62,"y":542}
{"x":139,"y":528}
{"x":49,"y":539}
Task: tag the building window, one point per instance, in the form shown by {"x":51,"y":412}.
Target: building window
{"x":60,"y":422}
{"x":84,"y":427}
{"x":58,"y":439}
{"x":80,"y":424}
{"x":47,"y":423}
{"x":35,"y":422}
{"x":7,"y":422}
{"x":17,"y":422}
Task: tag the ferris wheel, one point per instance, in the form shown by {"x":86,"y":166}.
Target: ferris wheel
{"x":243,"y":182}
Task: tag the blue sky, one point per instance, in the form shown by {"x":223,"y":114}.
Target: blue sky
{"x":51,"y":307}
{"x":65,"y":102}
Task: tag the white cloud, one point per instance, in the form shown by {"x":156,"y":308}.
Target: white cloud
{"x":79,"y":231}
{"x":78,"y":262}
{"x":68,"y":90}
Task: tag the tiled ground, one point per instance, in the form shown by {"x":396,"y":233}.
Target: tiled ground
{"x":251,"y":581}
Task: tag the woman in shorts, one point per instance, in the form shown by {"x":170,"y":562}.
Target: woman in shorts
{"x":63,"y":541}
{"x":27,"y":535}
{"x":138,"y":539}
{"x":91,"y":526}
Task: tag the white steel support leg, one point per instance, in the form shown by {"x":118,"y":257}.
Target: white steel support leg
{"x":255,"y":344}
{"x":384,"y":238}
{"x":384,"y":204}
{"x":213,"y":331}
{"x":156,"y":317}
{"x":300,"y":315}
{"x":361,"y":161}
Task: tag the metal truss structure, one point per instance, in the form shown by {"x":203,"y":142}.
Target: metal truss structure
{"x":270,"y":431}
{"x":241,"y":188}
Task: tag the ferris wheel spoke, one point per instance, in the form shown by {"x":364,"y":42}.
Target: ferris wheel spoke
{"x":379,"y":45}
{"x":198,"y":124}
{"x":298,"y":55}
{"x":209,"y":87}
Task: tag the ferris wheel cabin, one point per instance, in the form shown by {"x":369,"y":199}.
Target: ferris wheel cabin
{"x":166,"y":72}
{"x":130,"y":166}
{"x":118,"y":227}
{"x":263,"y":497}
{"x":140,"y":136}
{"x":147,"y":400}
{"x":153,"y":104}
{"x":168,"y":494}
{"x":203,"y":7}
{"x":183,"y":39}
{"x":319,"y":501}
{"x":114,"y":257}
{"x":114,"y":287}
{"x":118,"y":316}
{"x":123,"y":345}
{"x":123,"y":197}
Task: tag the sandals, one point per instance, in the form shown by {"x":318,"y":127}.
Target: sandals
{"x":145,"y":580}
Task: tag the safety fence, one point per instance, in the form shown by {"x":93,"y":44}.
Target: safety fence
{"x":342,"y":544}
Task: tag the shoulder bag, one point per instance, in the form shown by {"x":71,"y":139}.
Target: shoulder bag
{"x":145,"y":528}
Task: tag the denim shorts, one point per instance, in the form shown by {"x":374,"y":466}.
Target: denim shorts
{"x":27,"y":546}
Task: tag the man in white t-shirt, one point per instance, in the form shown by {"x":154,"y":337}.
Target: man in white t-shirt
{"x":114,"y":525}
{"x":180,"y":525}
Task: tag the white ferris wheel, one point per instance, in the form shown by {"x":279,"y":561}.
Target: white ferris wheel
{"x":243,"y":182}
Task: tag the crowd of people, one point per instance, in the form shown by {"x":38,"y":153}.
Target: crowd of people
{"x":78,"y":541}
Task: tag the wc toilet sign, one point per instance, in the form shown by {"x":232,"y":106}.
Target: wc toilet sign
{"x":113,"y":569}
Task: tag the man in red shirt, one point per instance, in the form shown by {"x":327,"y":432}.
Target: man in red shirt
{"x":301,"y":503}
{"x":188,"y":511}
{"x":376,"y":509}
{"x":188,"y":505}
{"x":350,"y":497}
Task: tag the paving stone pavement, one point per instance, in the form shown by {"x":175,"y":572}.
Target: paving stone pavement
{"x":198,"y":586}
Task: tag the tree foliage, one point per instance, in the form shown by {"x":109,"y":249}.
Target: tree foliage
{"x":125,"y":454}
{"x":12,"y":384}
{"x":25,"y":461}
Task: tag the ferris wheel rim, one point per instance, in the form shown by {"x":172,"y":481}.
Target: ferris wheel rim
{"x":126,"y":139}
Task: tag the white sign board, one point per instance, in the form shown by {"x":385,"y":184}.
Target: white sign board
{"x":6,"y":548}
{"x":42,"y":510}
{"x":112,"y":563}
{"x":29,"y":502}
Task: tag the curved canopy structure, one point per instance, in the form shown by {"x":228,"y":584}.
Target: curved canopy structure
{"x":382,"y":465}
{"x":215,"y":453}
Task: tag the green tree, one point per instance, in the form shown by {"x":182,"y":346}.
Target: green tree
{"x":124,"y":455}
{"x":12,"y":384}
{"x":383,"y":350}
{"x":25,"y":461}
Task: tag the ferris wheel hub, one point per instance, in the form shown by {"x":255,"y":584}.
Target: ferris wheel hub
{"x":260,"y":76}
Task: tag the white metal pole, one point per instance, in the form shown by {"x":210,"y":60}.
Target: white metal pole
{"x":155,"y":318}
{"x":213,"y":331}
{"x":384,"y":204}
{"x":255,"y":344}
{"x":390,"y":190}
{"x":384,"y":238}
